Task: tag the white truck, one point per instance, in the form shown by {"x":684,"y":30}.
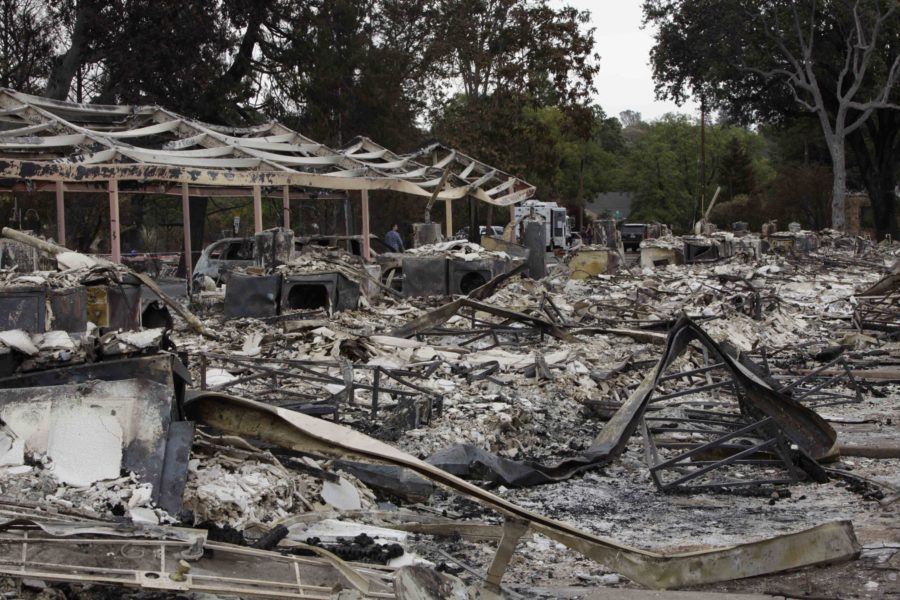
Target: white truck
{"x":557,"y":223}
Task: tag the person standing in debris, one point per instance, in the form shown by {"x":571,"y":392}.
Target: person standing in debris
{"x":588,"y":235}
{"x":393,"y":240}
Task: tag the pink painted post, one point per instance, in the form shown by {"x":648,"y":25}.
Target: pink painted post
{"x":364,"y":199}
{"x":60,"y":214}
{"x":115,"y":245}
{"x":186,"y":220}
{"x":257,"y":209}
{"x":286,"y":207}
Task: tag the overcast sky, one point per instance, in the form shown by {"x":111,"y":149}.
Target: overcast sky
{"x":625,"y":80}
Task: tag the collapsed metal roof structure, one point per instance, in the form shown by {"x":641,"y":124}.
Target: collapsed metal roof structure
{"x":49,"y":145}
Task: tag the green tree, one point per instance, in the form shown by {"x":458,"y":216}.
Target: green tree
{"x":737,"y":175}
{"x":521,"y":47}
{"x":661,"y":167}
{"x":772,"y":59}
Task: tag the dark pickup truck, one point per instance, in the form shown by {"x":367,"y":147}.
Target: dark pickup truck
{"x":632,"y":235}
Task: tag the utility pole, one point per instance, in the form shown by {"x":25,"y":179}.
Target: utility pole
{"x":702,"y":154}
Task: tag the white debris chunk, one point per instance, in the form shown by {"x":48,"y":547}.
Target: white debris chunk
{"x":55,"y":340}
{"x":12,"y":448}
{"x":251,"y":344}
{"x":85,"y":447}
{"x":144,"y":516}
{"x":216,"y":377}
{"x":141,"y":339}
{"x":341,"y":495}
{"x":18,"y":339}
{"x":74,"y":260}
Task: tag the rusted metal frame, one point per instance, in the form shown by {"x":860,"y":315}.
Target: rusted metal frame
{"x":743,"y":431}
{"x":491,"y":329}
{"x":274,"y":387}
{"x":544,"y":326}
{"x":166,"y":189}
{"x":301,"y":365}
{"x":308,"y":375}
{"x":691,"y":421}
{"x":513,"y":530}
{"x":559,"y":316}
{"x":689,"y":374}
{"x":741,"y":483}
{"x":196,"y":582}
{"x":506,"y":327}
{"x":409,"y":371}
{"x":807,"y":392}
{"x":308,"y":364}
{"x":376,"y":381}
{"x":827,"y":542}
{"x":652,"y":458}
{"x":349,"y":385}
{"x":486,"y":370}
{"x":854,"y":384}
{"x":752,"y":462}
{"x":695,"y":473}
{"x":651,"y":451}
{"x":721,"y":417}
{"x":390,"y":373}
{"x":698,"y":468}
{"x":495,"y":336}
{"x":44,"y":171}
{"x":311,"y":375}
{"x":695,"y":390}
{"x":809,"y":376}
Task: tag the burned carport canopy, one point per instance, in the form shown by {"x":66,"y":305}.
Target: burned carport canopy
{"x":53,"y":146}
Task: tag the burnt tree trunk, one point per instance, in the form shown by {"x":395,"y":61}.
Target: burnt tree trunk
{"x":66,"y":65}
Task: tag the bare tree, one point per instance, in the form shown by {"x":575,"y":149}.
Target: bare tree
{"x":26,"y":44}
{"x":843,"y":110}
{"x":630,"y":118}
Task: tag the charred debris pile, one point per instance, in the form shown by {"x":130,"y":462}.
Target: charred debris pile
{"x":437,"y":424}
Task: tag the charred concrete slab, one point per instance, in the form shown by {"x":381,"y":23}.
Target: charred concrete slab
{"x":80,"y":425}
{"x":273,"y":247}
{"x":516,"y":251}
{"x":68,"y":308}
{"x":464,"y":276}
{"x":660,"y":255}
{"x":255,"y":296}
{"x":144,"y":394}
{"x":113,"y":305}
{"x":327,"y":290}
{"x":701,"y":248}
{"x":23,"y":258}
{"x":587,"y":262}
{"x":23,"y":308}
{"x":162,"y":368}
{"x":425,"y":276}
{"x":535,"y":238}
{"x":426,"y":233}
{"x":794,"y":242}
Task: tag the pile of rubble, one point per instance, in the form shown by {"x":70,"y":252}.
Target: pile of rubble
{"x":667,"y":424}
